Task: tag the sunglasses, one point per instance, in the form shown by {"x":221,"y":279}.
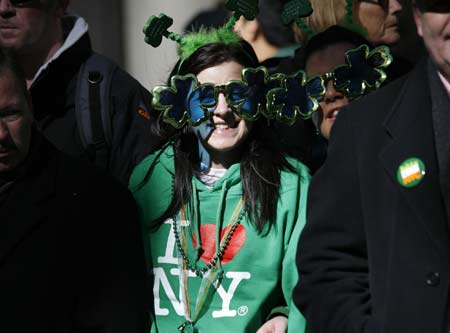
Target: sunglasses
{"x":436,"y":6}
{"x":363,"y":71}
{"x":353,"y":84}
{"x":186,"y":101}
{"x":238,"y":95}
{"x":235,"y":92}
{"x":334,"y":78}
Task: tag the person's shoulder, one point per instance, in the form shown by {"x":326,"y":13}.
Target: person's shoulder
{"x":158,"y":164}
{"x":296,"y":174}
{"x":386,"y":95}
{"x":370,"y":110}
{"x":380,"y":102}
{"x":121,"y":80}
{"x":298,"y":167}
{"x":124,"y":81}
{"x":151,"y":184}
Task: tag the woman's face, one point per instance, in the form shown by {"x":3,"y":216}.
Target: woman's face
{"x":230,"y":131}
{"x":321,"y":62}
{"x":381,"y":19}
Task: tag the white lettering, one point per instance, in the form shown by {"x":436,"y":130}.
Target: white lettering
{"x":161,"y":280}
{"x":227,"y":296}
{"x":169,"y":256}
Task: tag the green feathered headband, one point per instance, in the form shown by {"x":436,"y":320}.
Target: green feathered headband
{"x":195,"y":40}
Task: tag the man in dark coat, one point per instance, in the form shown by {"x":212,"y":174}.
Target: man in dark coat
{"x":375,"y":253}
{"x":52,"y":46}
{"x":71,"y":253}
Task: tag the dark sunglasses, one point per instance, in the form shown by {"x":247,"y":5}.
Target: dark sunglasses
{"x":436,"y":6}
{"x":334,"y":78}
{"x":22,"y":3}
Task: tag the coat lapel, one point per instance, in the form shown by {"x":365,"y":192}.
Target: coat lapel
{"x":410,"y":129}
{"x":27,"y":206}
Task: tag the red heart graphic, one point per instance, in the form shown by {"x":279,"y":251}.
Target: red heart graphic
{"x":208,"y":239}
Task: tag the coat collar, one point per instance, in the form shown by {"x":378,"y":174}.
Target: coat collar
{"x":27,"y":205}
{"x":409,"y":127}
{"x":77,"y":27}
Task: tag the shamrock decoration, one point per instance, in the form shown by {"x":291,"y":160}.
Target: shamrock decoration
{"x":156,"y":28}
{"x":363,"y":70}
{"x":185,"y":101}
{"x":294,"y":10}
{"x":296,"y":98}
{"x":256,"y":83}
{"x":247,"y":8}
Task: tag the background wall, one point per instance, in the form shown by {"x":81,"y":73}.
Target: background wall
{"x":116,"y":31}
{"x":149,"y":65}
{"x":105,"y":25}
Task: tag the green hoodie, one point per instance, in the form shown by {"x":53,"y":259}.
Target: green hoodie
{"x":259,"y":271}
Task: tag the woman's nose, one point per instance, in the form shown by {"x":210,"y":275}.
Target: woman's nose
{"x":222,"y":106}
{"x":332,"y":94}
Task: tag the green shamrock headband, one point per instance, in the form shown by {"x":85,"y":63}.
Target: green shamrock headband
{"x":157,"y":27}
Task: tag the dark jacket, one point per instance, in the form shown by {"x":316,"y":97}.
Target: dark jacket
{"x":375,"y":256}
{"x":71,"y":254}
{"x":53,"y":94}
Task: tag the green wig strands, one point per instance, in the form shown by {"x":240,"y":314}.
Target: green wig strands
{"x":194,"y":40}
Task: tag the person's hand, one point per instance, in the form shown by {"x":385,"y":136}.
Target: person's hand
{"x":277,"y":324}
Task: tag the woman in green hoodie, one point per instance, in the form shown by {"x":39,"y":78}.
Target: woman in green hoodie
{"x":222,"y":211}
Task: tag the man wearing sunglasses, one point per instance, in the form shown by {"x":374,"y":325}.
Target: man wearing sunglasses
{"x":54,"y":49}
{"x":375,"y":252}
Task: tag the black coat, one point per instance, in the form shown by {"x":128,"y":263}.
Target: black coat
{"x":71,"y":254}
{"x":53,"y":93}
{"x":375,"y":256}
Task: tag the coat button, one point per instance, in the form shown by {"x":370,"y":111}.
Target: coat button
{"x":433,"y":278}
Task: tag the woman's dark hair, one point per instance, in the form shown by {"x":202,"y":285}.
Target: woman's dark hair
{"x":260,"y":164}
{"x":333,"y":35}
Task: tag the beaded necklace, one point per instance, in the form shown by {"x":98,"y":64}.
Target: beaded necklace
{"x":223,"y":244}
{"x":210,"y":274}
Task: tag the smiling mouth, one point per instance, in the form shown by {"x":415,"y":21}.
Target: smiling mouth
{"x":225,"y":126}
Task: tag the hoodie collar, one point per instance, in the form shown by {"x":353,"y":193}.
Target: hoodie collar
{"x":232,"y":177}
